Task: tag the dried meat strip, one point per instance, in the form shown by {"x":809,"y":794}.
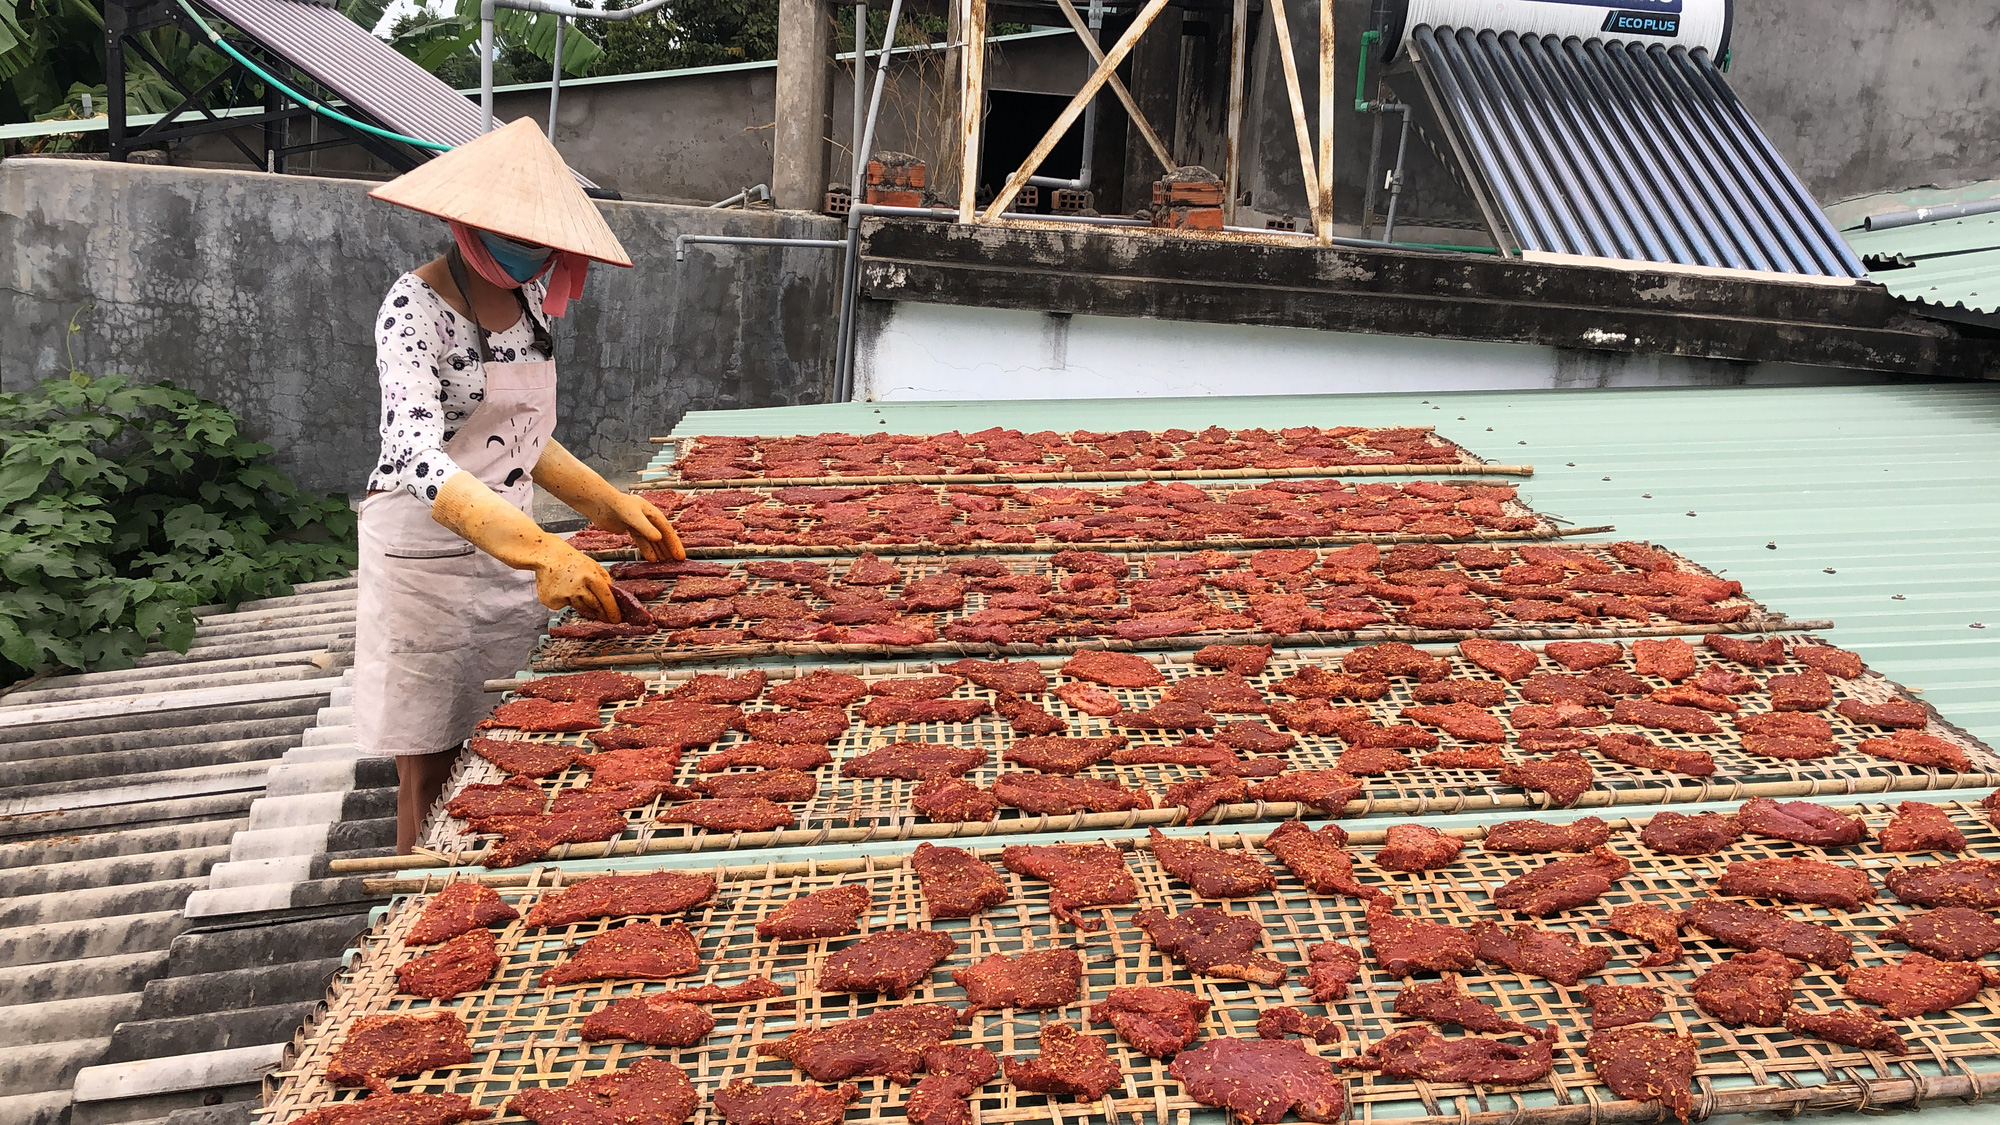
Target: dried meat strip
{"x":1209,"y":871}
{"x":819,"y":914}
{"x":1211,"y":942}
{"x":1036,"y":981}
{"x":459,"y":907}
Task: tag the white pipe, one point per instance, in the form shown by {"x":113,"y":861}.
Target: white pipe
{"x":555,"y":78}
{"x":755,"y":191}
{"x":1095,"y":21}
{"x":486,"y":65}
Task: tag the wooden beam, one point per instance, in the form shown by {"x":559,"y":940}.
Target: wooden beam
{"x":1323,"y":212}
{"x":1074,"y":110}
{"x":971,"y":108}
{"x":1298,"y":107}
{"x":1117,"y":87}
{"x":1232,"y":164}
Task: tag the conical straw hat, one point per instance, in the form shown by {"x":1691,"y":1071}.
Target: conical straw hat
{"x":511,"y":182}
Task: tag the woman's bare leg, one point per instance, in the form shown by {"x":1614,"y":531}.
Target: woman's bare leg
{"x":421,"y":779}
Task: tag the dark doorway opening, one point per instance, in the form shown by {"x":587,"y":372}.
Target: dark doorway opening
{"x":1015,"y":121}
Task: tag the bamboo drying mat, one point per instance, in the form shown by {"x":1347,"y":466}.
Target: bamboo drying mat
{"x":776,"y":518}
{"x":569,"y":654}
{"x":855,"y":810}
{"x":664,"y":471}
{"x":525,"y":1036}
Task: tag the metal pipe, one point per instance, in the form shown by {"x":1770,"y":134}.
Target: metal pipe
{"x":1893,"y":219}
{"x":860,"y":111}
{"x":1396,"y":176}
{"x":1368,"y":243}
{"x":1374,"y":162}
{"x":843,"y":372}
{"x":761,"y":191}
{"x":555,"y":78}
{"x":949,"y":213}
{"x":486,"y":66}
{"x":681,"y":242}
{"x":1095,"y":21}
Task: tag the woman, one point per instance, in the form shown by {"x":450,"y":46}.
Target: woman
{"x":455,"y":574}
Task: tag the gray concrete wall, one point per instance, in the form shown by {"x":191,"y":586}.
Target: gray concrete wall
{"x":260,"y":292}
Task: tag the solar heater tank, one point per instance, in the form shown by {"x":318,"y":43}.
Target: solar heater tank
{"x":1669,"y":23}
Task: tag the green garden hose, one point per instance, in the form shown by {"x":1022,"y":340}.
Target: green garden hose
{"x":313,"y":104}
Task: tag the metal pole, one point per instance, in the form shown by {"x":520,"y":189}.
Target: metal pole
{"x":486,"y":66}
{"x":843,"y":372}
{"x":555,"y":78}
{"x":860,"y":111}
{"x":685,"y":240}
{"x":1396,"y":177}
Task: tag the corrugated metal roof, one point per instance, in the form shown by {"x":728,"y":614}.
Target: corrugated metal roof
{"x":164,"y":830}
{"x":1893,"y":487}
{"x":1622,"y":150}
{"x":1955,"y":262}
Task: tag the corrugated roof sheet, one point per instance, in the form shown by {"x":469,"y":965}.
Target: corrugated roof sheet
{"x":167,"y":916}
{"x":1955,"y":262}
{"x":1623,"y":150}
{"x":1868,"y":492}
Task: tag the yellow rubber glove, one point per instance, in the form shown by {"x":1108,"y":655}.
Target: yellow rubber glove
{"x":564,"y":576}
{"x":579,"y":486}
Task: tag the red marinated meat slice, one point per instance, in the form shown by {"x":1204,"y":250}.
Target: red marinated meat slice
{"x":1068,"y":1063}
{"x":1562,"y":777}
{"x":1801,"y":822}
{"x":776,"y":785}
{"x":712,"y":687}
{"x":517,"y":796}
{"x":1259,"y":1081}
{"x":867,"y":570}
{"x":1508,"y":661}
{"x":1460,"y":720}
{"x":915,"y":761}
{"x":1478,"y":693}
{"x":633,"y":951}
{"x":1061,"y":755}
{"x":731,"y":814}
{"x":1918,"y":749}
{"x":1534,"y":837}
{"x":1671,"y":659}
{"x":1662,"y":716}
{"x":1801,"y":691}
{"x":1244,"y":660}
{"x":1688,"y":695}
{"x":1254,"y":737}
{"x":1060,"y":796}
{"x":1786,"y":724}
{"x":1638,"y":750}
{"x":1315,"y":682}
{"x":520,"y":758}
{"x":1921,"y":827}
{"x":1417,"y":847}
{"x":1582,"y":656}
{"x":1022,"y":677}
{"x":954,"y":882}
{"x":1080,"y":876}
{"x":1158,"y":1022}
{"x":700,"y":589}
{"x":821,"y":725}
{"x":953,"y":800}
{"x":1836,"y":662}
{"x":1329,"y":790}
{"x":1165,"y":716}
{"x":820,"y":689}
{"x":1896,"y":712}
{"x":545,"y":715}
{"x":1210,"y":872}
{"x":884,"y":712}
{"x":1396,"y":659}
{"x":1529,"y":716}
{"x":1752,"y":654}
{"x":1113,"y":669}
{"x":916,"y":687}
{"x":603,"y":687}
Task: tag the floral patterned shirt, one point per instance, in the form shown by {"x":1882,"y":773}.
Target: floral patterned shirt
{"x":427,"y":359}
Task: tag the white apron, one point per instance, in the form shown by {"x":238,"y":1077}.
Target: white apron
{"x":437,"y":617}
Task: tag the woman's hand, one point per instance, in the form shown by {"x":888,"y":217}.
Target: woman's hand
{"x":566,"y":577}
{"x":643,"y":521}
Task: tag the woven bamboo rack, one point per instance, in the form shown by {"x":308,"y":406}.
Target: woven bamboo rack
{"x":664,"y":473}
{"x":853,"y":810}
{"x":1546,"y":527}
{"x":658,"y":650}
{"x":525,"y":1035}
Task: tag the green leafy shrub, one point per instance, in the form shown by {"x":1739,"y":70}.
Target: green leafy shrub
{"x":123,"y":507}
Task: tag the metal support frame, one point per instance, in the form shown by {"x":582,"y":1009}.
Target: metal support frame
{"x":124,"y":20}
{"x":1232,"y":166}
{"x":555,"y":8}
{"x":555,"y":77}
{"x":850,"y":276}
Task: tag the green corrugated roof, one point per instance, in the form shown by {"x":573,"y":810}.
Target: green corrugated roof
{"x":1956,"y":262}
{"x":1896,"y":488}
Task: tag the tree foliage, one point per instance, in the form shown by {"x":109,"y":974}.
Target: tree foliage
{"x":124,"y":506}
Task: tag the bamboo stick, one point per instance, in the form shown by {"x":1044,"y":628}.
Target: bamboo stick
{"x":1087,"y":476}
{"x":1297,"y":100}
{"x":1323,"y":204}
{"x":972,"y":108}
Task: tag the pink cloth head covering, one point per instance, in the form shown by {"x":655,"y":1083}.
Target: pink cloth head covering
{"x":567,"y":272}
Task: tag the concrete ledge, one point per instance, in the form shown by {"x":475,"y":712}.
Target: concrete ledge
{"x":238,"y":900}
{"x":327,"y":736}
{"x":232,"y":1067}
{"x":286,"y":869}
{"x":345,"y":752}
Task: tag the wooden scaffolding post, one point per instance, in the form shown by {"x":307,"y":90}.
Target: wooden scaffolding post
{"x":1323,"y":208}
{"x":972,"y":107}
{"x":1074,"y":110}
{"x":1117,"y":87}
{"x":1298,"y":103}
{"x":1232,"y":167}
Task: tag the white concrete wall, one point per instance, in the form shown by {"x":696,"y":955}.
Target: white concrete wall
{"x":925,"y":352}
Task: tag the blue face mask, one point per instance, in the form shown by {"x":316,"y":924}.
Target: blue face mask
{"x":520,"y":260}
